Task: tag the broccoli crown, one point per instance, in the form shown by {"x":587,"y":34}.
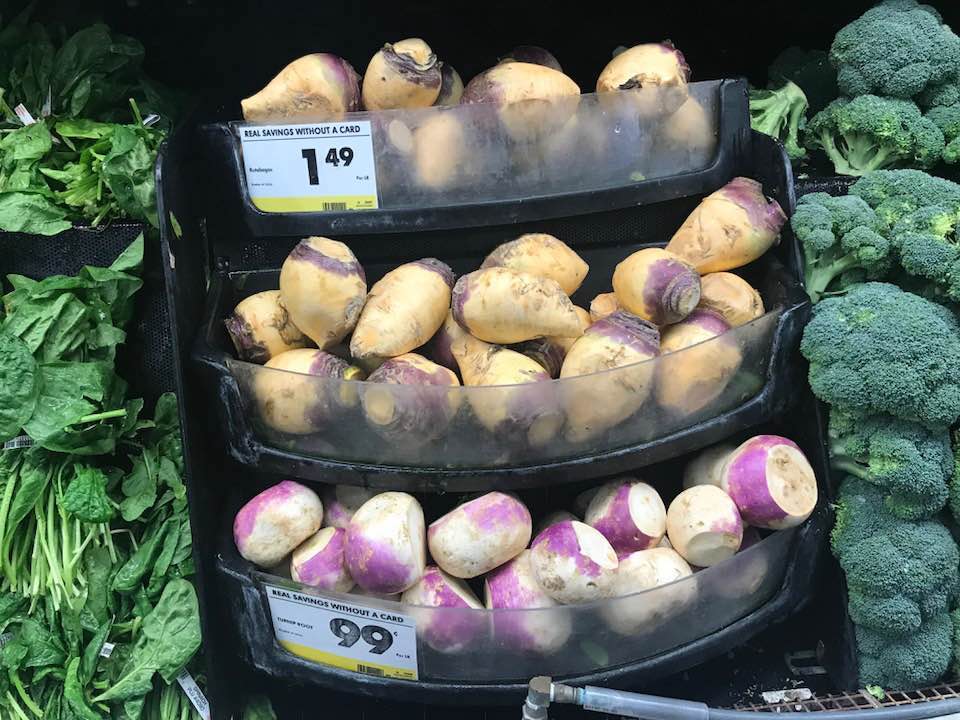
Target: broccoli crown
{"x":896,"y":193}
{"x":955,"y":480}
{"x":899,"y":572}
{"x":780,"y":114}
{"x":896,"y":49}
{"x":947,"y":118}
{"x":885,"y":351}
{"x":943,"y":94}
{"x":838,"y":234}
{"x":872,"y":133}
{"x":811,"y":70}
{"x":910,"y":463}
{"x":917,"y":660}
{"x":927,"y":245}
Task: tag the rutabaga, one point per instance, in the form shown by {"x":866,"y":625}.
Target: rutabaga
{"x":404,"y":74}
{"x":260,"y":328}
{"x":731,"y":297}
{"x":542,"y":255}
{"x":314,"y":87}
{"x":656,"y":285}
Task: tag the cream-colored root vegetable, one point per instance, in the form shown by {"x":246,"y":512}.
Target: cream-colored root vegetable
{"x":732,"y":297}
{"x":260,"y":328}
{"x":404,"y":74}
{"x":542,"y":255}
{"x":317,"y":87}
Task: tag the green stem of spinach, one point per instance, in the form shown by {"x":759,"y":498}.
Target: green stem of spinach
{"x":16,"y":708}
{"x":97,"y":417}
{"x":22,"y":692}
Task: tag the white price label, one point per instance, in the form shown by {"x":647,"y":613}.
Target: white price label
{"x":194,"y":694}
{"x":345,"y":635}
{"x":320,"y":167}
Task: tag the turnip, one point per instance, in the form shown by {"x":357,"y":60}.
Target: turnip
{"x":402,"y":75}
{"x":603,"y":305}
{"x":479,"y":535}
{"x":260,"y":328}
{"x":656,"y":285}
{"x":704,"y":525}
{"x":689,"y":128}
{"x":706,"y":467}
{"x":729,"y":228}
{"x":732,"y":297}
{"x":513,"y":587}
{"x":323,"y":287}
{"x":300,"y":391}
{"x":360,"y":592}
{"x":704,"y":363}
{"x":640,"y":572}
{"x":417,"y":413}
{"x":318,"y":562}
{"x":532,"y":101}
{"x":542,"y":255}
{"x":386,"y":543}
{"x":403,"y":309}
{"x":771,"y":482}
{"x":656,"y":74}
{"x":582,"y":501}
{"x":557,"y":516}
{"x":499,"y":305}
{"x":573,"y":563}
{"x":276,"y":521}
{"x":612,"y":351}
{"x":340,"y":502}
{"x":440,"y":151}
{"x":446,"y":631}
{"x":317,"y":87}
{"x":524,"y":407}
{"x":749,"y":571}
{"x":628,"y":513}
{"x":451,"y":86}
{"x":532,"y":54}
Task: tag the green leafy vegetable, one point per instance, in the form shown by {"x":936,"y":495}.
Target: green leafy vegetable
{"x":86,"y":496}
{"x":19,"y":385}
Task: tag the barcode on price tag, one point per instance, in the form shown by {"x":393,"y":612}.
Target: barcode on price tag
{"x":345,"y":635}
{"x":319,"y":167}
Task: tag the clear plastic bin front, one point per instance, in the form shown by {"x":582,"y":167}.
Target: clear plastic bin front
{"x":476,"y":153}
{"x":460,"y":644}
{"x":499,"y":426}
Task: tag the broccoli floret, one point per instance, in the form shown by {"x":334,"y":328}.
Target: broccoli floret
{"x":955,"y":480}
{"x":927,"y":245}
{"x":885,"y":351}
{"x":917,"y":660}
{"x":811,"y":70}
{"x":781,"y":114}
{"x":897,"y":193}
{"x":838,"y":234}
{"x":947,"y":118}
{"x":896,"y":49}
{"x":911,"y":464}
{"x":871,"y":133}
{"x":900,"y":573}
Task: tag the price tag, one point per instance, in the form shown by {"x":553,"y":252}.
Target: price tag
{"x":345,"y":635}
{"x":320,"y":167}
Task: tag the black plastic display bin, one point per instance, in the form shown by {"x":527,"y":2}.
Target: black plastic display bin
{"x":215,"y":233}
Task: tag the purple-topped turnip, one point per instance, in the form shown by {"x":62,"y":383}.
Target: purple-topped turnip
{"x":479,"y":535}
{"x":441,"y":606}
{"x":318,"y":561}
{"x":704,"y":525}
{"x":657,"y":285}
{"x":499,"y":305}
{"x":316,"y":87}
{"x":323,"y":287}
{"x":573,"y":563}
{"x":514,"y":587}
{"x":706,"y":467}
{"x":386,"y":549}
{"x":276,"y":521}
{"x":404,"y":74}
{"x":418,"y":412}
{"x":771,"y":481}
{"x":340,"y":502}
{"x":612,"y":351}
{"x":656,"y":75}
{"x":647,"y":572}
{"x":260,"y":328}
{"x":557,"y":516}
{"x":403,"y":309}
{"x":542,"y":255}
{"x":705,"y":361}
{"x":628,"y":513}
{"x":302,"y":391}
{"x":729,"y":228}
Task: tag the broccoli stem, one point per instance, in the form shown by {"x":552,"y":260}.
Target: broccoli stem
{"x":848,"y":465}
{"x":819,"y":273}
{"x":858,"y":156}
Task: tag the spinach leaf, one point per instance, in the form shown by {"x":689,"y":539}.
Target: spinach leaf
{"x":44,"y":648}
{"x":37,"y":470}
{"x":19,"y":385}
{"x":33,"y":213}
{"x":91,"y":653}
{"x":86,"y":496}
{"x":130,"y":574}
{"x":258,"y":707}
{"x":98,"y":566}
{"x":140,"y":486}
{"x":169,"y":637}
{"x":73,"y":693}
